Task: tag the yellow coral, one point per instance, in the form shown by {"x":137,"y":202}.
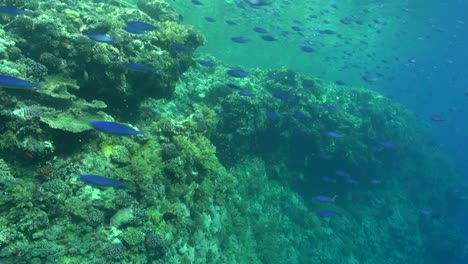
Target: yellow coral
{"x":106,"y":149}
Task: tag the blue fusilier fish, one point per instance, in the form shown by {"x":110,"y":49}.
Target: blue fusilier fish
{"x":133,"y":30}
{"x":115,"y":128}
{"x":15,"y":83}
{"x":102,"y":38}
{"x":141,"y":25}
{"x":238,"y":73}
{"x":139,"y":67}
{"x":325,"y":199}
{"x":180,"y":47}
{"x":11,"y":10}
{"x":207,"y":63}
{"x":327,"y":213}
{"x":102,"y":181}
{"x":257,"y":3}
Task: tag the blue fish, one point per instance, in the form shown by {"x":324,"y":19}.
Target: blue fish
{"x":325,"y":199}
{"x":426,"y":211}
{"x":15,"y":83}
{"x":285,"y":96}
{"x":231,"y":23}
{"x":327,"y":213}
{"x":134,"y":30}
{"x":207,"y":63}
{"x":258,"y":3}
{"x":342,"y":173}
{"x":241,"y":39}
{"x":272,"y":115}
{"x":260,"y":30}
{"x":327,"y":32}
{"x":11,"y":10}
{"x":376,"y":181}
{"x":245,"y":93}
{"x":340,"y":82}
{"x":114,"y":128}
{"x":180,"y":47}
{"x":102,"y":181}
{"x":335,"y":134}
{"x":328,"y":108}
{"x":238,"y":73}
{"x":101,"y":38}
{"x":388,"y":145}
{"x":196,"y":2}
{"x":328,"y":179}
{"x":210,"y":19}
{"x":307,"y":49}
{"x":308,"y":83}
{"x":325,"y":156}
{"x":269,"y":38}
{"x":233,"y":86}
{"x":139,"y":67}
{"x":141,"y":25}
{"x":298,"y":28}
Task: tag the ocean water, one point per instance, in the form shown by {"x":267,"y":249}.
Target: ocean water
{"x":233,"y":131}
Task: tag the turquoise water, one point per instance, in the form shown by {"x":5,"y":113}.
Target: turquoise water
{"x":226,"y":132}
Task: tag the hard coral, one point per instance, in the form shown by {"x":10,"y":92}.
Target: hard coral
{"x":133,"y":236}
{"x":95,"y":218}
{"x":158,"y":10}
{"x":156,"y":245}
{"x":116,"y":252}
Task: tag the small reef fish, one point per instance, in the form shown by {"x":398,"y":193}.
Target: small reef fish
{"x":245,"y":93}
{"x":11,"y":10}
{"x":180,"y":47}
{"x":342,"y":173}
{"x":325,"y":156}
{"x":238,"y":73}
{"x":327,"y":213}
{"x":335,"y":134}
{"x":437,"y":118}
{"x":307,"y":49}
{"x":7,"y":81}
{"x":241,"y":39}
{"x":134,"y":30}
{"x":387,"y":145}
{"x":260,"y":30}
{"x":258,"y":2}
{"x":269,"y":38}
{"x":325,"y":199}
{"x":101,"y":38}
{"x":140,"y":25}
{"x":231,"y":23}
{"x":139,"y":67}
{"x":308,"y":83}
{"x":426,"y":211}
{"x":233,"y":86}
{"x":102,"y":181}
{"x":272,"y":115}
{"x":329,"y":179}
{"x":376,"y":181}
{"x":210,"y":19}
{"x":114,"y":128}
{"x":207,"y":63}
{"x":196,"y":2}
